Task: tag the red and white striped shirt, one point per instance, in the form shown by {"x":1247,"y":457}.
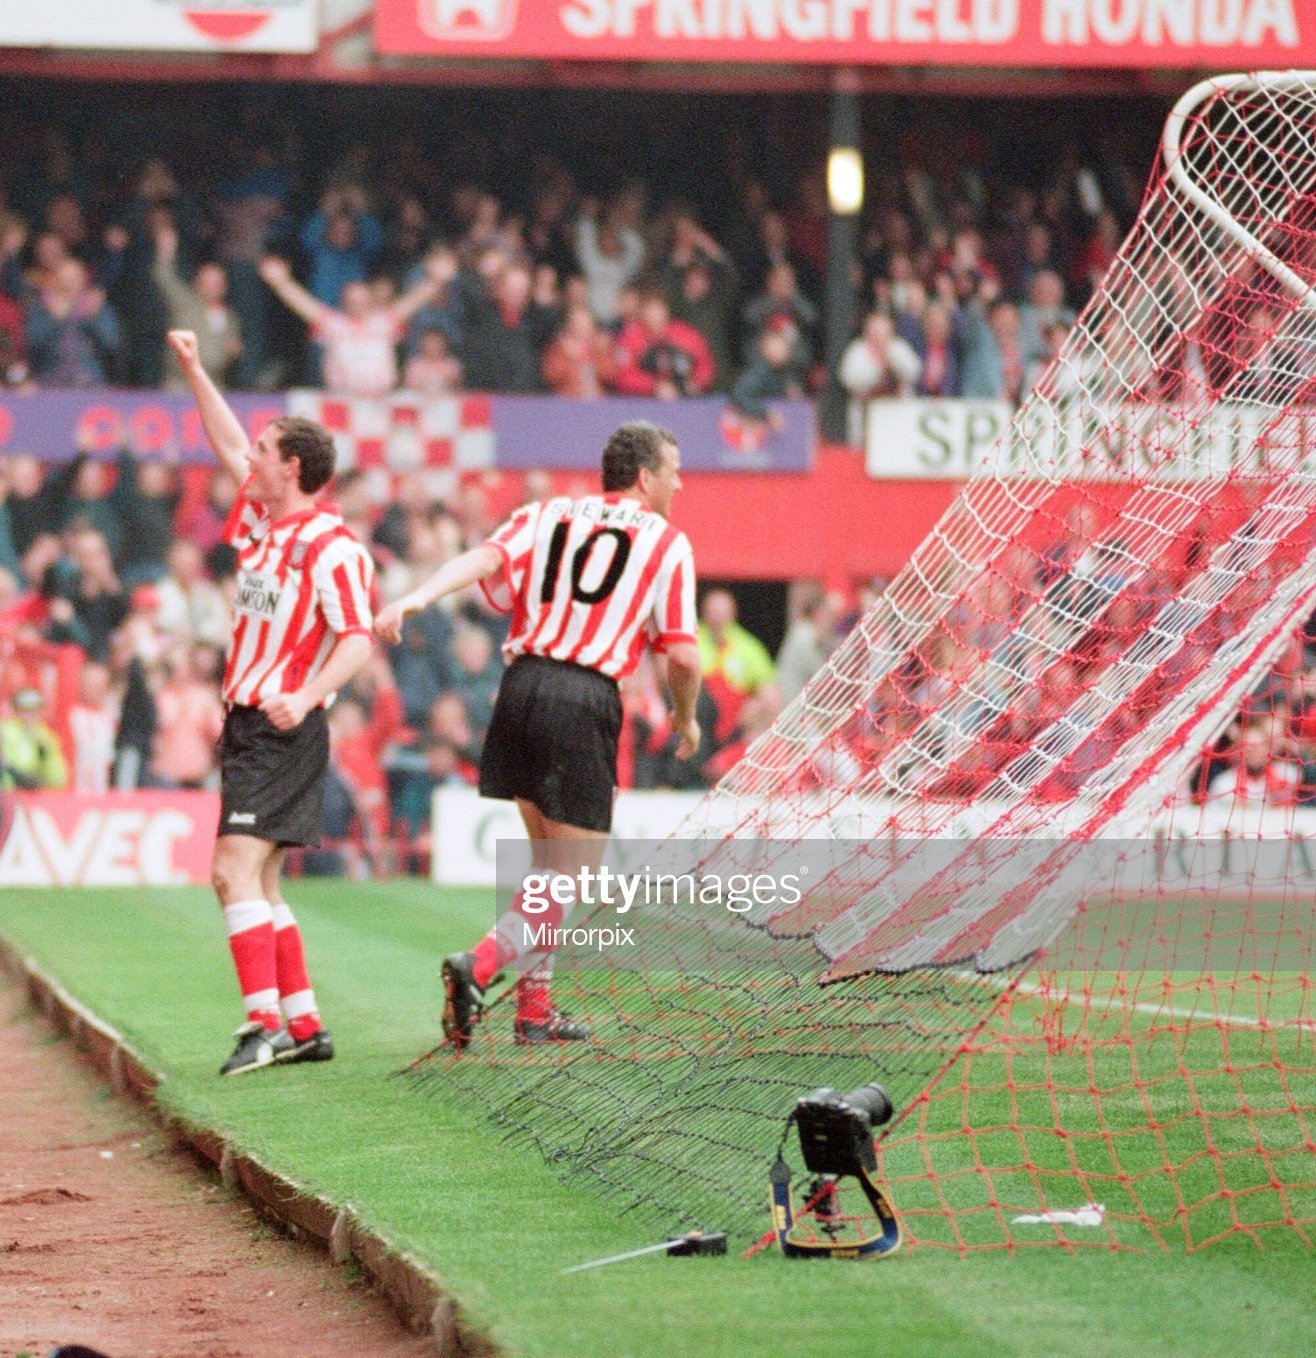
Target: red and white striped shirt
{"x":303,"y":582}
{"x":593,"y":581}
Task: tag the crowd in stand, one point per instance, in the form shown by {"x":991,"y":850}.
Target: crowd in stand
{"x":359,"y":272}
{"x":119,"y":569}
{"x":1000,"y":693}
{"x":116,"y":574}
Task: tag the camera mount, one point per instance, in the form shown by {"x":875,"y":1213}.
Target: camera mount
{"x":836,"y":1139}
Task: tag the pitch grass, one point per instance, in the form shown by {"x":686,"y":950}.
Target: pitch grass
{"x":498,"y":1227}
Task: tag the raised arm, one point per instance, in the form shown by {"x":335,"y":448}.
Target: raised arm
{"x":468,"y":569}
{"x":440,"y":270}
{"x":223,"y":428}
{"x":290,"y":292}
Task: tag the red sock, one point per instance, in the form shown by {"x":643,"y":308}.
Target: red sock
{"x":506,"y":941}
{"x":250,"y":927}
{"x":296,"y":998}
{"x":534,"y":999}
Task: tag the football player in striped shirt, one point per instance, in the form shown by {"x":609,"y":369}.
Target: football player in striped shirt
{"x":590,"y":583}
{"x":301,"y":629}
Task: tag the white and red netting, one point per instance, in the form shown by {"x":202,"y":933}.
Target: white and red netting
{"x":1083,"y":623}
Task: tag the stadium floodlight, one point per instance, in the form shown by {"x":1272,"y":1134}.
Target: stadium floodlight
{"x":845,"y":181}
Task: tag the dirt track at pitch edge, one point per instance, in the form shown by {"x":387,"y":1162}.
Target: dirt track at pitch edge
{"x":110,"y":1237}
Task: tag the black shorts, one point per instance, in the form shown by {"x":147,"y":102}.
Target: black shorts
{"x":272,"y":781}
{"x":553,"y":741}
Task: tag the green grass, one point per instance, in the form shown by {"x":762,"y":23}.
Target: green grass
{"x":495,"y":1223}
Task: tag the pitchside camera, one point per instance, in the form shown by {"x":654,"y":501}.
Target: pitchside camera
{"x":836,"y":1130}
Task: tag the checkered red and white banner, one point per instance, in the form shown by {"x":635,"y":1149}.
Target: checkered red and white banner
{"x":438,"y":436}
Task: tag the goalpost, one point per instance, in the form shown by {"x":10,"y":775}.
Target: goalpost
{"x":1024,"y":922}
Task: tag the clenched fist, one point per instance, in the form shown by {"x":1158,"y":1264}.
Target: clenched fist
{"x":183,"y":343}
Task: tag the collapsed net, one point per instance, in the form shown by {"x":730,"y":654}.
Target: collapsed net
{"x":988,"y":758}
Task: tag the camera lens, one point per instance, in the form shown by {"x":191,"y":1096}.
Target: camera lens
{"x":872,"y":1100}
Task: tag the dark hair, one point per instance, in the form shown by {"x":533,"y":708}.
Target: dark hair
{"x":311,"y":444}
{"x":632,"y":446}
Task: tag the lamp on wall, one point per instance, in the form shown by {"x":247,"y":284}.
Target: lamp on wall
{"x":845,"y":181}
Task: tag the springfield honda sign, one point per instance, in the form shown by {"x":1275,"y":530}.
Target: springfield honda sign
{"x":1210,"y":33}
{"x":163,"y":25}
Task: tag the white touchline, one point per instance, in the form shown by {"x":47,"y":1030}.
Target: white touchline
{"x":1143,"y":1006}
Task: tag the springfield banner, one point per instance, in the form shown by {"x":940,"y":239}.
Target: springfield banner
{"x":1214,"y":34}
{"x":116,"y":839}
{"x":953,"y":439}
{"x":164,"y":25}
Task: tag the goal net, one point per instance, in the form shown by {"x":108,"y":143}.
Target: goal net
{"x":1048,"y":799}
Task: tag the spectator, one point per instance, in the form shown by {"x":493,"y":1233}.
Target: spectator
{"x":422,"y":662}
{"x":148,"y":493}
{"x":1036,"y":258}
{"x":781,"y":306}
{"x":770,"y":377}
{"x":443,"y":755}
{"x":432,"y":370}
{"x":360,"y":340}
{"x":476,"y":670}
{"x":1098,"y":253}
{"x":1262,"y":773}
{"x":1045,"y":307}
{"x":32,"y":502}
{"x":1067,"y":380}
{"x":18,"y":607}
{"x":410,"y":510}
{"x":204,"y":524}
{"x":189,"y":719}
{"x":940,"y":375}
{"x":736,"y":665}
{"x":876,"y":364}
{"x":406,"y":240}
{"x":100,"y":602}
{"x":13,"y":343}
{"x":39,"y":564}
{"x":581,"y":359}
{"x":73,"y":337}
{"x":702,"y":298}
{"x":662,"y":357}
{"x":30,"y":753}
{"x":505,"y":335}
{"x":158,"y":204}
{"x":446,"y":309}
{"x":774,"y":248}
{"x":191,"y":606}
{"x":809,"y":639}
{"x":356,"y":816}
{"x":200,"y":307}
{"x":9,"y":553}
{"x":991,"y":361}
{"x":93,"y":720}
{"x":611,"y":256}
{"x":54,"y":172}
{"x":1003,"y":320}
{"x":247,"y":208}
{"x":130,"y":649}
{"x":343,"y":242}
{"x":83,"y":493}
